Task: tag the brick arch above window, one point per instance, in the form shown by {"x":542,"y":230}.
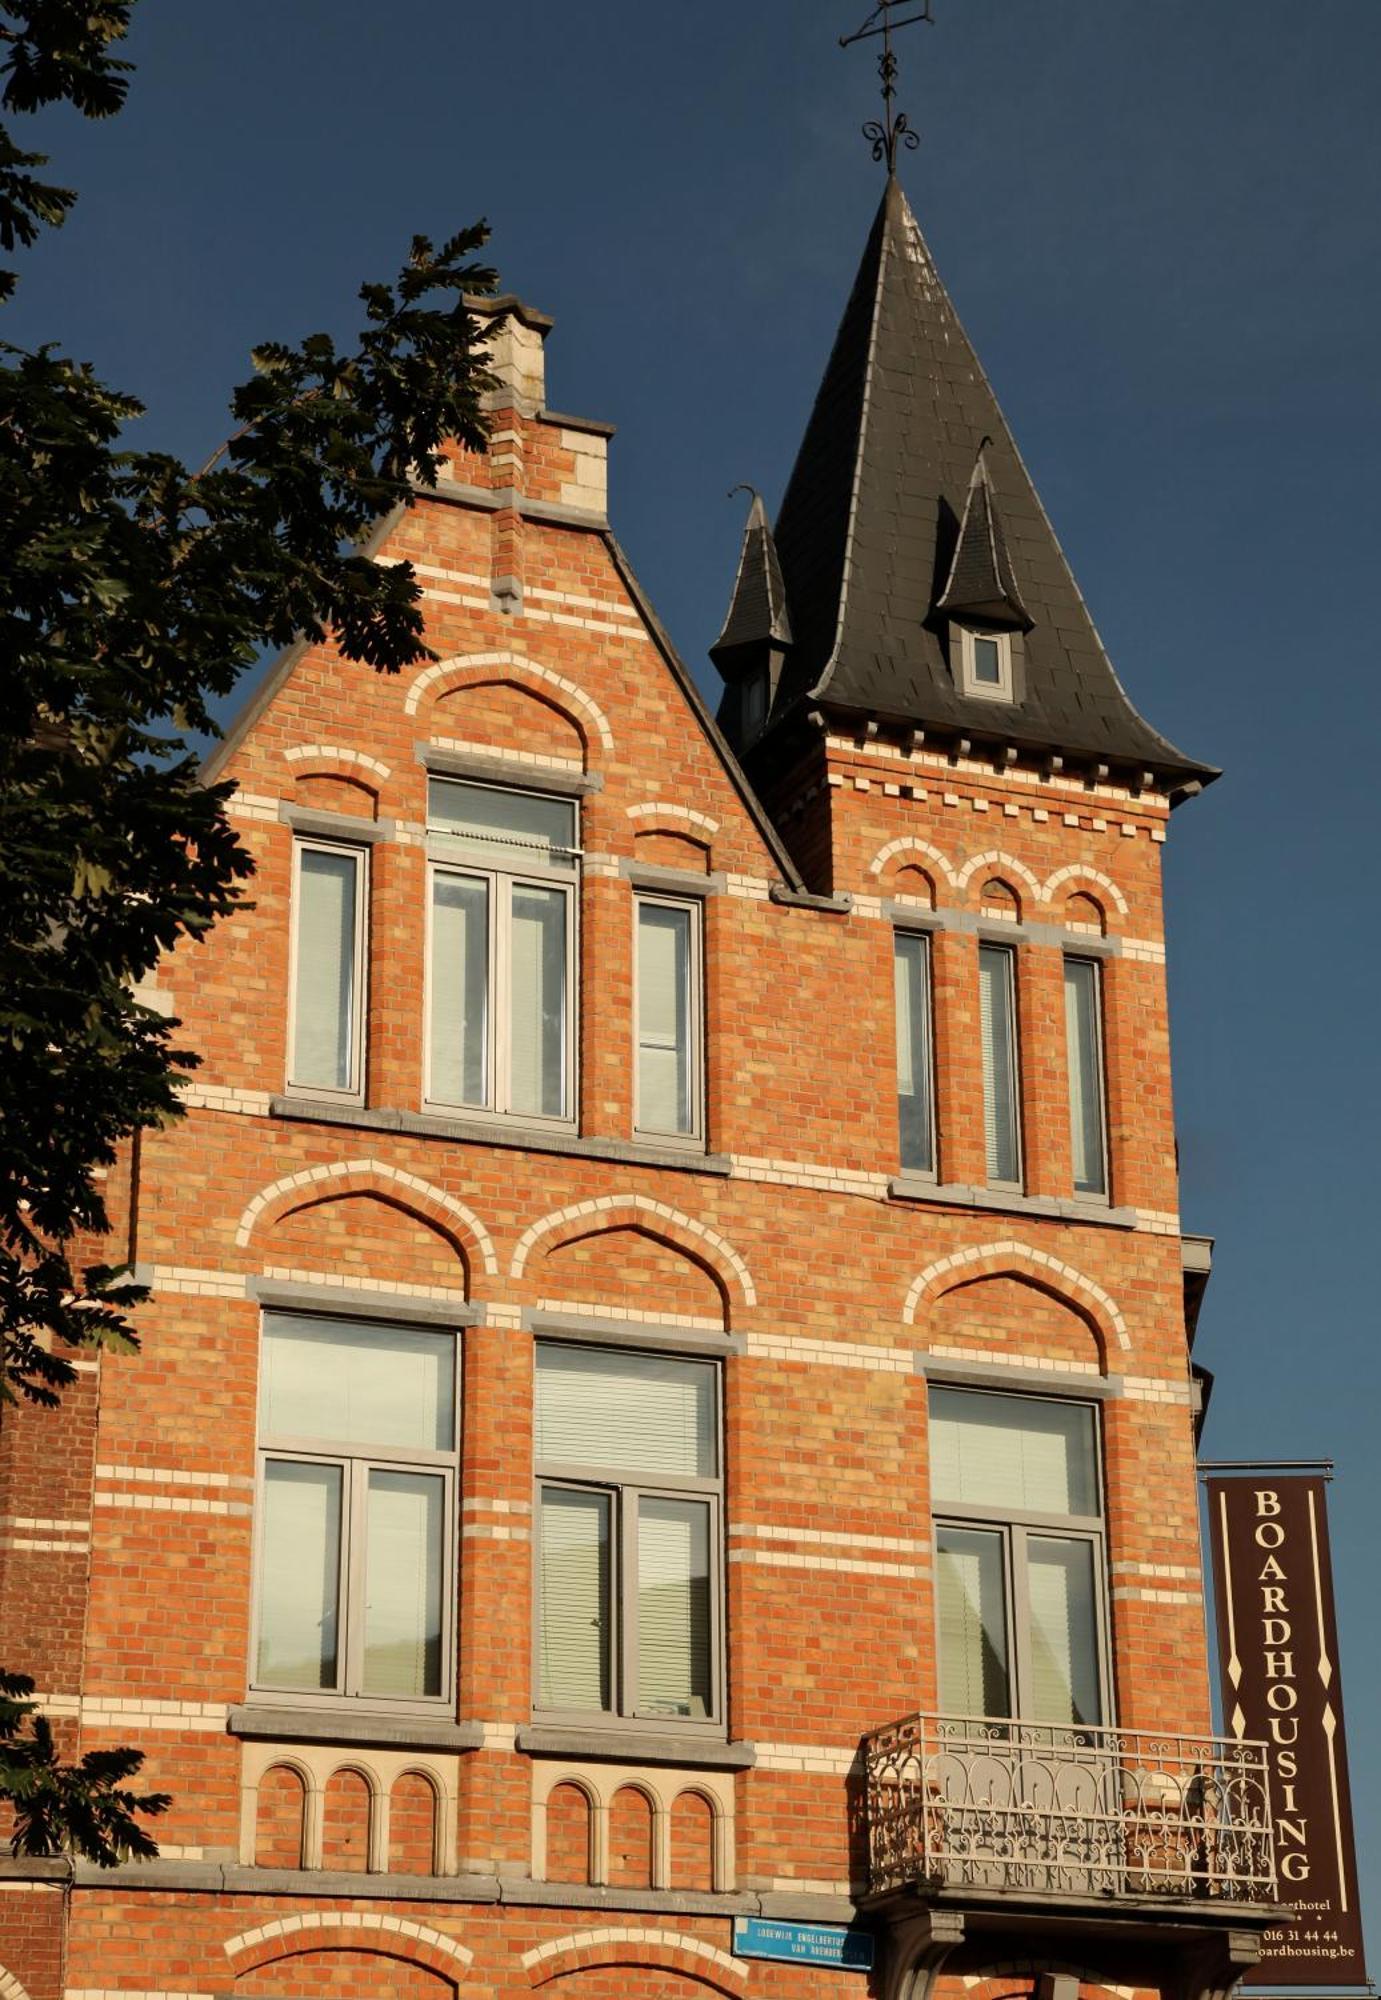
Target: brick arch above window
{"x":1011,"y":1258}
{"x":658,"y":1218}
{"x":995,"y":861}
{"x":333,"y":1930}
{"x":370,"y":1176}
{"x":334,"y":759}
{"x":906,"y":847}
{"x":1077,"y":875}
{"x":10,"y":1987}
{"x":628,"y":1944}
{"x":444,"y":676}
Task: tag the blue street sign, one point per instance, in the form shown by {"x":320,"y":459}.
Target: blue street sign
{"x":811,"y":1944}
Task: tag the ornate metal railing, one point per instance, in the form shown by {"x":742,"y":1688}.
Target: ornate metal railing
{"x":1029,"y":1806}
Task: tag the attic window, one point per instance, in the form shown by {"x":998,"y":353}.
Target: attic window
{"x":753,"y":700}
{"x":985,"y":664}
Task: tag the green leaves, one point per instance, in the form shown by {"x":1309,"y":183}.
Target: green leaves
{"x":83,"y":1808}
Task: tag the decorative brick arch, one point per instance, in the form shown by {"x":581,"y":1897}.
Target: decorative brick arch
{"x":464,"y":667}
{"x":333,"y":753}
{"x":611,"y":1210}
{"x":1001,"y":862}
{"x":636,"y":1944}
{"x":1018,"y":1260}
{"x":678,"y":815}
{"x":370,"y":1177}
{"x":907,"y":843}
{"x":348,"y":1930}
{"x":10,"y":1988}
{"x":1079,"y":872}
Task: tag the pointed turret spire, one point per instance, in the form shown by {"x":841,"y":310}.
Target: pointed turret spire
{"x":750,"y":650}
{"x":908,"y":511}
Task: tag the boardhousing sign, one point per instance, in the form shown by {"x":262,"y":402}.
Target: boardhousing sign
{"x":1278,"y":1662}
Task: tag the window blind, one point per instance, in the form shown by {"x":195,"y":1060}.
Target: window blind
{"x":512,"y":829}
{"x":537,"y":1002}
{"x":1064,"y":1631}
{"x":1085,"y":1075}
{"x":970,"y":1597}
{"x":911,"y":984}
{"x":299,"y":1575}
{"x":674,"y":1607}
{"x":404,"y":1513}
{"x":996,"y":1024}
{"x":324,"y":1004}
{"x":573,"y":1599}
{"x":664,"y":1016}
{"x":1015,"y":1454}
{"x":459,"y":1068}
{"x":353,"y":1384}
{"x":626,"y":1413}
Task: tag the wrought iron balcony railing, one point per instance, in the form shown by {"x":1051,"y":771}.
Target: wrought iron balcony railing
{"x":967,"y":1803}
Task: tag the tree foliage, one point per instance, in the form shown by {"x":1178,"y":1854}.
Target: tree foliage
{"x":134,"y":593}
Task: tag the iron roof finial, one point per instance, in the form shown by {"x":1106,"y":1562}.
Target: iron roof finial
{"x":893,"y":129}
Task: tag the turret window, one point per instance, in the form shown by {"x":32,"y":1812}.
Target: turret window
{"x":997,"y":980}
{"x":985,"y":663}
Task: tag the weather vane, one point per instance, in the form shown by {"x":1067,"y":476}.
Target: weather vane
{"x":893,"y":128}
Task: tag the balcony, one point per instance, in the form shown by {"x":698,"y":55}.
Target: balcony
{"x":1074,"y":1812}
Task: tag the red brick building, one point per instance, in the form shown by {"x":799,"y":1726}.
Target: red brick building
{"x":666,"y":1403}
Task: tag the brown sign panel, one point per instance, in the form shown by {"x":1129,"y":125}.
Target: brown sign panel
{"x":1278,"y":1663}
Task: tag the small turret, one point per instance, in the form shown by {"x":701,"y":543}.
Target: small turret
{"x":752,"y":648}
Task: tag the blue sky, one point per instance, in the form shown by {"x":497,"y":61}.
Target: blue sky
{"x":1162,"y":227}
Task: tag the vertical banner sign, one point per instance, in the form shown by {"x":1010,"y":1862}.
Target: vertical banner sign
{"x":1278,"y":1661}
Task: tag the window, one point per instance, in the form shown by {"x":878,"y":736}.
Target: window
{"x":1018,"y":1557}
{"x":998,"y":1032}
{"x":753,"y":703}
{"x":1084,"y":1037}
{"x":628,"y":1536}
{"x":500,"y":1033}
{"x":915,"y":1064}
{"x":326,"y":1039}
{"x":356,"y":1515}
{"x":985,"y":664}
{"x":668,"y":1009}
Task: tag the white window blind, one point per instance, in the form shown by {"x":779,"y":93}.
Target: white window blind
{"x":357,"y":1384}
{"x":1015,"y":1454}
{"x":911,"y":982}
{"x":573,"y":1599}
{"x":674,"y":1607}
{"x":325,"y":1001}
{"x":459,"y":1069}
{"x":299,"y":1575}
{"x":403,"y":1569}
{"x":537,"y":1002}
{"x":664,"y":1018}
{"x":512,"y":829}
{"x":1084,"y":1043}
{"x":630,"y":1413}
{"x":971,"y":1604}
{"x":997,"y":1031}
{"x":1064,"y":1630}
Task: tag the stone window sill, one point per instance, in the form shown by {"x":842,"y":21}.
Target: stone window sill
{"x":953,"y":1194}
{"x":630,"y":1746}
{"x":319,"y":1725}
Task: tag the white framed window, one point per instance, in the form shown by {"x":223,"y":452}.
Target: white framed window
{"x":327,"y":970}
{"x":1088,"y":1129}
{"x":1020,"y":1563}
{"x":915,"y":1051}
{"x":501,"y":956}
{"x":985,"y":663}
{"x":997,"y":995}
{"x":669,"y":1010}
{"x":355,"y":1527}
{"x":629,"y":1531}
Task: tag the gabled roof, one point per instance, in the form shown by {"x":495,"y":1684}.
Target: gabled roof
{"x":757,"y":609}
{"x":869,"y":534}
{"x":980,"y":583}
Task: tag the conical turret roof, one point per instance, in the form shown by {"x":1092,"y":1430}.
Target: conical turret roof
{"x":757,"y":609}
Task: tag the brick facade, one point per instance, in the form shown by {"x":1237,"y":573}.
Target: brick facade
{"x":791,"y":1244}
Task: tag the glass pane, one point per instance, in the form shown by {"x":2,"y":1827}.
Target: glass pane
{"x":1015,"y":1454}
{"x":355,"y":1384}
{"x":674,"y":1608}
{"x":402,"y":1583}
{"x":626,"y":1412}
{"x":987,"y":662}
{"x":324,"y":1007}
{"x":459,"y":1072}
{"x":911,"y":975}
{"x":299,"y":1575}
{"x":1085,"y":1075}
{"x":664,"y":1010}
{"x":1064,"y":1631}
{"x":971,"y":1598}
{"x":511,"y":829}
{"x":537,"y":1003}
{"x":999,"y":1066}
{"x":573,"y":1600}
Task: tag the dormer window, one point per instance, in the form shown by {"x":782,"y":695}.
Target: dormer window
{"x":753,"y":697}
{"x":985,"y":663}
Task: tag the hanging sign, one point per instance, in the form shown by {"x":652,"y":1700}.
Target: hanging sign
{"x":1278,"y":1665}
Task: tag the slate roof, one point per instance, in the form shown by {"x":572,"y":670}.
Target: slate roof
{"x":757,"y":609}
{"x":981,"y":583}
{"x":869,"y":529}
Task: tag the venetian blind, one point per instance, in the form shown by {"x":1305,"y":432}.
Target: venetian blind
{"x":299,"y":1575}
{"x":673,"y":1607}
{"x":626,"y":1413}
{"x":508,"y":829}
{"x":537,"y":1002}
{"x":972,"y":1621}
{"x":573,"y":1599}
{"x":355,"y":1384}
{"x":1014,"y":1454}
{"x":459,"y":990}
{"x":324,"y":1004}
{"x":999,"y":1066}
{"x":664,"y":964}
{"x":1064,"y":1631}
{"x":404,"y":1514}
